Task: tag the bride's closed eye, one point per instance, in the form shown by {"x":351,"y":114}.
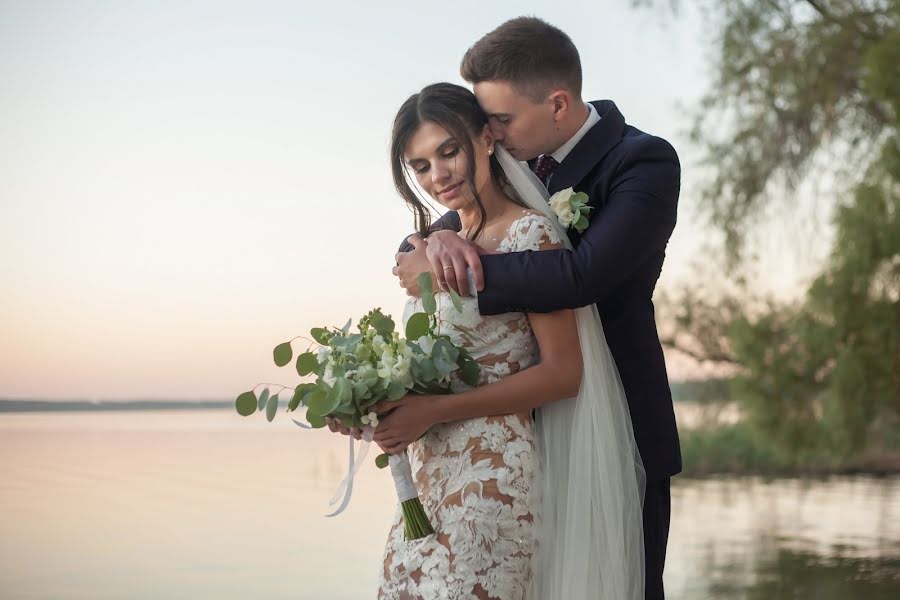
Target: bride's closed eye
{"x":447,"y":154}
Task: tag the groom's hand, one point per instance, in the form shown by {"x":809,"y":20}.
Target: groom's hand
{"x":450,"y":255}
{"x":411,"y":264}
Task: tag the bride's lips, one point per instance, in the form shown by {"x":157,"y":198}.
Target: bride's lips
{"x":450,"y":192}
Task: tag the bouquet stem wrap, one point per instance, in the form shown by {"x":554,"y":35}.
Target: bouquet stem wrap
{"x":415,"y":521}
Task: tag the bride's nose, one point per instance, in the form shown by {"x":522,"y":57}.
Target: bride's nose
{"x":439,"y":172}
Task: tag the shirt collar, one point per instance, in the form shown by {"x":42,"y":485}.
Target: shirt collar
{"x":592,"y":119}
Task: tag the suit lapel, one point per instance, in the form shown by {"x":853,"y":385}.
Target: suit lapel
{"x":591,"y":149}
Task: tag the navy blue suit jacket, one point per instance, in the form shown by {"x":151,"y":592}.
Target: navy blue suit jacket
{"x":632,"y":180}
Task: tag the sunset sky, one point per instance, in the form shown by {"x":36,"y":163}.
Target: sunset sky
{"x":183,"y":185}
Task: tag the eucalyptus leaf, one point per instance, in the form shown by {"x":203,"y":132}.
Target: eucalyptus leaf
{"x":382,"y":461}
{"x":444,"y":346}
{"x":457,"y":302}
{"x":426,"y":370}
{"x":385,"y":326}
{"x":282,"y":354}
{"x":263,"y":398}
{"x":579,"y":197}
{"x":296,"y":398}
{"x":346,"y":409}
{"x":321,"y":403}
{"x":396,"y":390}
{"x":272,"y":408}
{"x":346,"y":328}
{"x":246,"y":404}
{"x":444,"y":356}
{"x":429,"y":304}
{"x":343,"y":389}
{"x":316,"y":421}
{"x":321,"y":335}
{"x":469,"y":373}
{"x":306,"y":363}
{"x":426,"y":286}
{"x":417,"y":326}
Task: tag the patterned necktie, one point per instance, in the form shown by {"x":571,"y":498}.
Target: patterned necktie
{"x":544,"y":166}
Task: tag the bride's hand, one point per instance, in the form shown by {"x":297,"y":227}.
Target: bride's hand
{"x":450,"y":256}
{"x":411,"y":264}
{"x":403,"y":421}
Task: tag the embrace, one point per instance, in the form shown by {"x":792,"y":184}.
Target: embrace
{"x":549,"y":480}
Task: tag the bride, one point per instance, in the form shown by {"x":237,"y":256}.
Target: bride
{"x":531,"y":480}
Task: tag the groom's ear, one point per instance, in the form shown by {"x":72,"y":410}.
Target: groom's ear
{"x":559,"y":100}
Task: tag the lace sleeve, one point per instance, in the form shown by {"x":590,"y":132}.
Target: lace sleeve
{"x":534,"y":231}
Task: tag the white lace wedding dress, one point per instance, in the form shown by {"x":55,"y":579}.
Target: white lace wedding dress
{"x":476,"y":478}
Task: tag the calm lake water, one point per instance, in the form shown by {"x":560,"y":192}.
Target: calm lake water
{"x":206,"y":504}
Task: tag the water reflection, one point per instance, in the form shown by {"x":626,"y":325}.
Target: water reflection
{"x":749,"y":538}
{"x":187,"y":504}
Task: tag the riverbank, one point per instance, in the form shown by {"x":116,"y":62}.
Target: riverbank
{"x":736,"y":449}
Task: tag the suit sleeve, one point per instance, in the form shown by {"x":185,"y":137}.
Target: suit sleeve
{"x":449,"y":220}
{"x":634,"y":224}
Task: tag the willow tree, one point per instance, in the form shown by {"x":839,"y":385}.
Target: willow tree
{"x":806,"y":91}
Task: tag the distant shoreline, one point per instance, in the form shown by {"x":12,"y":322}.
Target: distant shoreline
{"x":28,"y":406}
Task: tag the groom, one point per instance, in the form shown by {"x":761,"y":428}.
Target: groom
{"x":527,"y":77}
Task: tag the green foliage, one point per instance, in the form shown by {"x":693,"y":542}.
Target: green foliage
{"x":429,"y":303}
{"x":245,"y":404}
{"x":381,"y":461}
{"x":834,"y":359}
{"x":804,"y":89}
{"x":282,"y":354}
{"x":792,"y":78}
{"x":306,"y":363}
{"x":272,"y":408}
{"x":417,"y":326}
{"x":354,"y":371}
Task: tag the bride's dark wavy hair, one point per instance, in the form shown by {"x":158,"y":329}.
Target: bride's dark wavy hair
{"x":455,"y":109}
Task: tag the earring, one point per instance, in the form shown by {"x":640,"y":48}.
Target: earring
{"x":490,"y":151}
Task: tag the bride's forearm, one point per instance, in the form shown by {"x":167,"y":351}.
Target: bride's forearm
{"x":522,"y":392}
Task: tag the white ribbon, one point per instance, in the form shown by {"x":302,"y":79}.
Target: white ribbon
{"x":346,"y":486}
{"x":401,"y":471}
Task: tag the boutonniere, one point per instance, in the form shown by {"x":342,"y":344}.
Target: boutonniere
{"x":571,"y":209}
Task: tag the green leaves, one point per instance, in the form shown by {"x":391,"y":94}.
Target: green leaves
{"x":245,"y":404}
{"x":271,"y":408}
{"x":321,"y":403}
{"x":382,"y":461}
{"x":282,"y":354}
{"x":417,"y":326}
{"x":322,"y":336}
{"x":315,"y":421}
{"x":444,"y":356}
{"x":306,"y":363}
{"x":395,"y":390}
{"x":457,"y":303}
{"x":263,"y":398}
{"x":299,"y":392}
{"x":429,"y":304}
{"x":469,"y":371}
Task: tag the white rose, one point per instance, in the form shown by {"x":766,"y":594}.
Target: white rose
{"x":566,"y":217}
{"x":559,"y":201}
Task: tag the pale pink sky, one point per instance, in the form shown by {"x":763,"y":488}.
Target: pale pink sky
{"x":183,"y":186}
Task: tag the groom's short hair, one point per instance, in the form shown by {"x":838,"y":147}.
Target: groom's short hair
{"x":531,"y":54}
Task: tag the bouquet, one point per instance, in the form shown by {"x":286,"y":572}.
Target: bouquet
{"x":354,"y":371}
